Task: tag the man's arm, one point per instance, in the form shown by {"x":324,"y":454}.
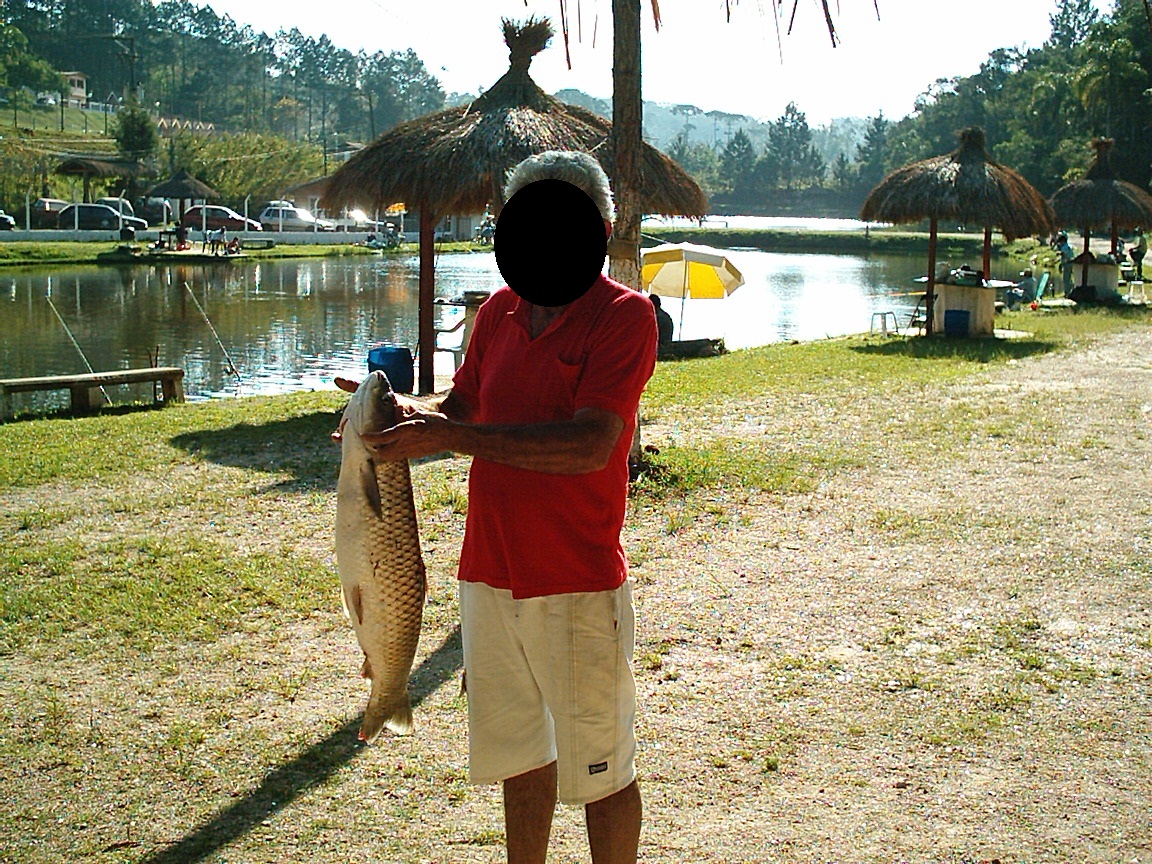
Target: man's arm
{"x":581,"y":445}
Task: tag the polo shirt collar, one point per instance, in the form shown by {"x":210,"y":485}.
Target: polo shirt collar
{"x":522,"y":310}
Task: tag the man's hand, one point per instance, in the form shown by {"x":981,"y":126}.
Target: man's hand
{"x":421,"y":433}
{"x":406,"y":407}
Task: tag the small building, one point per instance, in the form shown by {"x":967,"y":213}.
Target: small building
{"x":76,"y":92}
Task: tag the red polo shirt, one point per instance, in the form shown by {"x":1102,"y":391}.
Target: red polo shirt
{"x":536,"y":533}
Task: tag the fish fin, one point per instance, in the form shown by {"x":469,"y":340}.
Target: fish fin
{"x":366,"y":669}
{"x":350,"y":596}
{"x":371,"y":486}
{"x":395,"y":713}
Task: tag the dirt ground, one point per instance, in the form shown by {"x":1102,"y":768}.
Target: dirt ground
{"x":936,"y":659}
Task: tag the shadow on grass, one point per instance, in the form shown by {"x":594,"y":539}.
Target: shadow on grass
{"x":972,"y":350}
{"x":301,"y":446}
{"x":311,"y":767}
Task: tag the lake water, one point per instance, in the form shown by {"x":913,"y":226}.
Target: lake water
{"x":291,"y":325}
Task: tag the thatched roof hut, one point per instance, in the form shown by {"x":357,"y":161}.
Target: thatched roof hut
{"x":455,"y":160}
{"x":965,"y":186}
{"x":88,"y":167}
{"x":1102,"y":200}
{"x":182,"y":185}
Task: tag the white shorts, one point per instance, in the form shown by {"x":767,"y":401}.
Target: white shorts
{"x":550,"y":680}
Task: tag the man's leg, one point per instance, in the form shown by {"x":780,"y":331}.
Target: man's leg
{"x":529,"y":802}
{"x":614,"y":826}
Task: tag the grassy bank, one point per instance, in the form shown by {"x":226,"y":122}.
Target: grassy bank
{"x":32,"y":252}
{"x":832,"y":621}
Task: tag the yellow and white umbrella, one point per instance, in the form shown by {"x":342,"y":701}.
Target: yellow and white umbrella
{"x":688,"y":271}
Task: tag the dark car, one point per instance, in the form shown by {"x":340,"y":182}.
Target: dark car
{"x":156,"y":210}
{"x":97,"y":217}
{"x":212,"y":217}
{"x":44,"y":212}
{"x":7,"y":223}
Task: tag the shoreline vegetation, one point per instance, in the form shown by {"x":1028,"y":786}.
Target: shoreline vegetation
{"x":874,"y":240}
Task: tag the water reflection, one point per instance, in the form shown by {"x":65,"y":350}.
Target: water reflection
{"x":291,"y":325}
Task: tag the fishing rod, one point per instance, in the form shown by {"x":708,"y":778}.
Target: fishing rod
{"x":76,"y":345}
{"x":232,"y":370}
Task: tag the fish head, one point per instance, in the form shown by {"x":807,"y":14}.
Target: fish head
{"x":371,"y":409}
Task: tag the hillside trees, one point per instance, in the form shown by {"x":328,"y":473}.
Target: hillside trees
{"x":21,"y":68}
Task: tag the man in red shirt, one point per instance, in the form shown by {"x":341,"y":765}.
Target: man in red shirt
{"x":545,"y":401}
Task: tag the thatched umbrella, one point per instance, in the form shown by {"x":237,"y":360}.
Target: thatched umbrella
{"x":966,"y":186}
{"x":1102,"y":200}
{"x":180,"y":186}
{"x":455,"y":161}
{"x":88,"y":167}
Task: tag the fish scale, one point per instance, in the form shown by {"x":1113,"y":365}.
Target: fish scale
{"x":379,"y":559}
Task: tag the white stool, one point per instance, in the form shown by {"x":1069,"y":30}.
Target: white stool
{"x":1136,"y":289}
{"x":884,"y":316}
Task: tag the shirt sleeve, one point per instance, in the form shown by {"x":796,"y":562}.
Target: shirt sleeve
{"x":466,"y":380}
{"x":621,"y":358}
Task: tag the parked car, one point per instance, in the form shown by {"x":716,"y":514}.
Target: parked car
{"x":156,"y":210}
{"x":264,"y":205}
{"x":358,"y":220}
{"x":44,"y":212}
{"x":97,"y":217}
{"x":213,"y":217}
{"x":293,"y":219}
{"x":7,"y":223}
{"x":121,"y":204}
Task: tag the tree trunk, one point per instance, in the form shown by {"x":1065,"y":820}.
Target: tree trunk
{"x":627,"y":136}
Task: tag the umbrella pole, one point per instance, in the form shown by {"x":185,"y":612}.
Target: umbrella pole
{"x":1087,"y":240}
{"x":683,"y":300}
{"x":987,"y":263}
{"x":930,"y":297}
{"x":427,"y":347}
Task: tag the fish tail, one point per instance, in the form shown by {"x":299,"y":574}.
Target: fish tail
{"x":391,"y":710}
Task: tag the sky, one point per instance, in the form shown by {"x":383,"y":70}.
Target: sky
{"x":749,"y":65}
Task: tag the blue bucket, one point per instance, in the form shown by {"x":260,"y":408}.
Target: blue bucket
{"x":956,"y":322}
{"x":395,"y":361}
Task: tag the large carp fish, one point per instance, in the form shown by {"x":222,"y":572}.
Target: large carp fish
{"x":378,"y":555}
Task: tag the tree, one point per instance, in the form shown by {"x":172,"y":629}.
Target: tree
{"x":699,"y":160}
{"x":738,"y":166}
{"x":872,"y":154}
{"x":790,"y":150}
{"x":843,"y":172}
{"x":1071,"y":23}
{"x":135,"y":132}
{"x":19,"y":67}
{"x":1110,"y":79}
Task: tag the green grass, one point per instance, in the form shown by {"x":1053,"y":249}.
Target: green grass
{"x":134,"y":591}
{"x":136,"y":586}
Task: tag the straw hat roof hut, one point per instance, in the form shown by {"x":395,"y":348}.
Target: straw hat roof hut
{"x":455,"y":161}
{"x":183,"y":185}
{"x":88,"y":167}
{"x":965,"y":186}
{"x":1102,"y":200}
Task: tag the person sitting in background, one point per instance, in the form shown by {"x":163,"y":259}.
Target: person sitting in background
{"x":1137,"y":251}
{"x":664,"y":324}
{"x":1023,"y":291}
